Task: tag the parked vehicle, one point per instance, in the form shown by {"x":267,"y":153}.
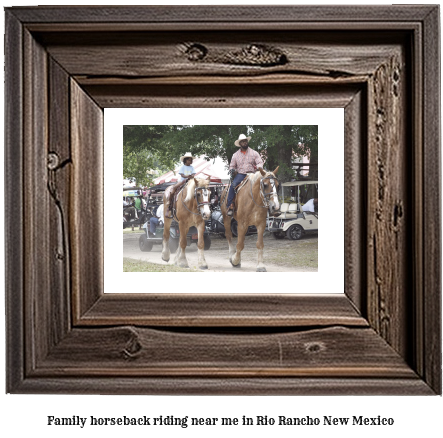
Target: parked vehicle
{"x":215,"y":225}
{"x":133,"y":216}
{"x":147,"y":241}
{"x":294,"y":221}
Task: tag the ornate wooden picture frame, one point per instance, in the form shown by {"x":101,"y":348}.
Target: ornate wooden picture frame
{"x":65,"y":64}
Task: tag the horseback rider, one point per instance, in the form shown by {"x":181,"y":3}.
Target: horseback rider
{"x":186,"y":172}
{"x":244,"y":161}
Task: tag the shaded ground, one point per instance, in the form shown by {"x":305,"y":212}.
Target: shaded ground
{"x":279,"y":255}
{"x":132,"y":265}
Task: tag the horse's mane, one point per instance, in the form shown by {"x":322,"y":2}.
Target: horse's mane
{"x":257,"y":175}
{"x":254,"y":176}
{"x":190,"y":187}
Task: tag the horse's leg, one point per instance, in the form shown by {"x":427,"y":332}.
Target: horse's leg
{"x":180,"y":259}
{"x":178,"y":252}
{"x":228,"y":233}
{"x":166,"y":253}
{"x":177,"y":255}
{"x":236,"y":258}
{"x":260,"y":245}
{"x":201,"y":246}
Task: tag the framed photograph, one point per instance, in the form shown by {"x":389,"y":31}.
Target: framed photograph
{"x":284,"y":255}
{"x":378,"y":333}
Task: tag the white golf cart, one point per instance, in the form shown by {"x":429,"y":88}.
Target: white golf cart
{"x":296,"y":218}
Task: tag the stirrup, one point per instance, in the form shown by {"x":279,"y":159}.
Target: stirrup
{"x":230,"y":211}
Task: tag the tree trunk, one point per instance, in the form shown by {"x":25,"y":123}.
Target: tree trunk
{"x":313,"y":170}
{"x":282,"y":157}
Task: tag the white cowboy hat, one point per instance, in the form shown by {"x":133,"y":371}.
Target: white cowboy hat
{"x":187,"y":155}
{"x":240,"y":138}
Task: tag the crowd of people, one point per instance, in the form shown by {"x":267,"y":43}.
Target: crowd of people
{"x":133,"y":207}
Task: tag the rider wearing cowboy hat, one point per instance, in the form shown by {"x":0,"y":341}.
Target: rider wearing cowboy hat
{"x":244,"y":161}
{"x":186,"y":172}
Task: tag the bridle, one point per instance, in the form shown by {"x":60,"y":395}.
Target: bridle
{"x":272,"y":180}
{"x":204,"y":193}
{"x":265,"y":196}
{"x":199,"y":204}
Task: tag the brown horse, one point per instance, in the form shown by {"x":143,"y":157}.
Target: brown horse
{"x":192,"y":209}
{"x":256,"y":197}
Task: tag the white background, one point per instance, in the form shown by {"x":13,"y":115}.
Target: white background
{"x":330,"y":123}
{"x":26,"y":414}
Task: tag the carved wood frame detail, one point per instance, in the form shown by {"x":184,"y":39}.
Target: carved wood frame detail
{"x":64,"y":65}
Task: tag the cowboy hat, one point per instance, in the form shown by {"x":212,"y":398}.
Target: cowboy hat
{"x":187,"y":155}
{"x":240,"y":138}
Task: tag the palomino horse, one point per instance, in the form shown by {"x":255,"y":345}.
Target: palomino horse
{"x":256,"y":197}
{"x":192,"y":209}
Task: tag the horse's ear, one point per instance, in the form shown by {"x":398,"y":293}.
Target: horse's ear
{"x":276,"y":170}
{"x":262,"y":171}
{"x":208,"y":178}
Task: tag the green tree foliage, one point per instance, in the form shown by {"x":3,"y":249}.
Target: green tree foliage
{"x":145,"y":150}
{"x":161,"y":146}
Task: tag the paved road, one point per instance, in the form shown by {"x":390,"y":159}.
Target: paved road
{"x":217,"y":256}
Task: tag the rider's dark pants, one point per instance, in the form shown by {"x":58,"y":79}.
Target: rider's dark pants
{"x":237,"y":180}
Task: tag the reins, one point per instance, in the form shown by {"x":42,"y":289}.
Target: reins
{"x":262,"y":191}
{"x":263,"y":199}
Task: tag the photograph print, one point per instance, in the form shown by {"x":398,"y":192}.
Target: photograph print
{"x":222,"y":198}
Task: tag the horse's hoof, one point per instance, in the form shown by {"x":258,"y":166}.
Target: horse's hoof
{"x":261,"y":270}
{"x":203,"y":267}
{"x":165,"y":260}
{"x":235,"y":266}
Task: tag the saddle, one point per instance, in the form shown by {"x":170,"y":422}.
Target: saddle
{"x":237,"y":189}
{"x":172,"y":201}
{"x":242,"y":183}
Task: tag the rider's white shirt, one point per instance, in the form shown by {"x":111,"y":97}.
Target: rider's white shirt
{"x":159,"y":212}
{"x":309,"y":206}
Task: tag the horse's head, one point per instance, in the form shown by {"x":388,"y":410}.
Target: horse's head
{"x":202,"y":196}
{"x":269,"y":186}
